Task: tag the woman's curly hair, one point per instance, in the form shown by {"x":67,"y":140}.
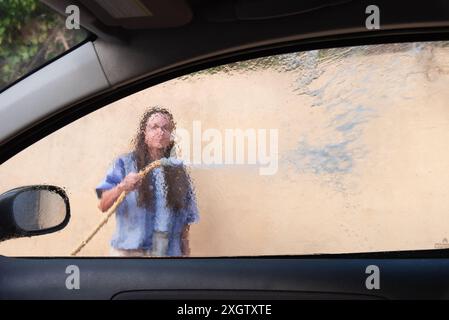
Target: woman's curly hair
{"x":177,"y":180}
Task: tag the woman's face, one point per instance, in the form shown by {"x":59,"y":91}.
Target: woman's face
{"x":158,"y":131}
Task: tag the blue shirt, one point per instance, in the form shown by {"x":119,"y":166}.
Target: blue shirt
{"x":135,"y":225}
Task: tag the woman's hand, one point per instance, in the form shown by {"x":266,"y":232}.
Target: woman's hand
{"x":132,"y":181}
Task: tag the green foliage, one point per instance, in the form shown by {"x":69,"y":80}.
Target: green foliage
{"x":30,"y":35}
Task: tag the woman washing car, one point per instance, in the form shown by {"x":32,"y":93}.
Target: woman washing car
{"x":155,"y":216}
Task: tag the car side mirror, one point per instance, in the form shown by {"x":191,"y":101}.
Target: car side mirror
{"x":33,"y":210}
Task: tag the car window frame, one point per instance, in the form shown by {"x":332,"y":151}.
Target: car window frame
{"x":90,"y":38}
{"x":59,"y":120}
{"x":69,"y":114}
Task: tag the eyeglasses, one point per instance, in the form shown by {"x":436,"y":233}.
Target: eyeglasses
{"x":165,"y":129}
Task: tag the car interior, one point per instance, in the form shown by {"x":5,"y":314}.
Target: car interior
{"x":132,"y":46}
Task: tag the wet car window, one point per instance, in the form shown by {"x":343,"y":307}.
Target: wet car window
{"x":32,"y":34}
{"x":328,"y":151}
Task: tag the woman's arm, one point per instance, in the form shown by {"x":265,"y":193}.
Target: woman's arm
{"x":108,"y":197}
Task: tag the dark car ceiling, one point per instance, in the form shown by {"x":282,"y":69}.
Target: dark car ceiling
{"x":181,"y":32}
{"x":241,"y":10}
{"x":140,"y":14}
{"x":206,"y":36}
{"x":158,"y":14}
{"x":195,"y":31}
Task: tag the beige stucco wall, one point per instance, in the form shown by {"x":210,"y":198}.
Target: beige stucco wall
{"x":395,"y":195}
